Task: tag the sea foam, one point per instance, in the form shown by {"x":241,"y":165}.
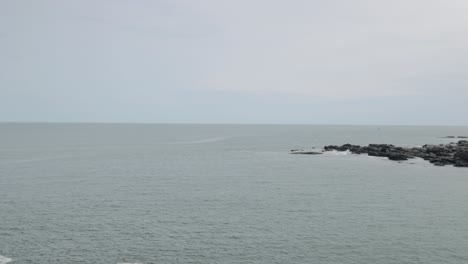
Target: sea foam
{"x":338,"y":153}
{"x":4,"y":260}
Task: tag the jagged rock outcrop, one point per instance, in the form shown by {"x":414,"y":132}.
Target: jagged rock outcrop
{"x":440,"y":155}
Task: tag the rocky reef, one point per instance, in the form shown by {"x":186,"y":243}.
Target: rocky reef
{"x":455,"y":154}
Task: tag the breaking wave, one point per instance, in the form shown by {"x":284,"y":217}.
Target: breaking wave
{"x":338,"y":153}
{"x":4,"y":260}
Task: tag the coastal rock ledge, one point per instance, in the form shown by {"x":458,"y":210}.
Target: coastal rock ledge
{"x":455,"y":154}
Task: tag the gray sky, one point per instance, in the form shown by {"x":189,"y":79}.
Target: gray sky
{"x":242,"y":61}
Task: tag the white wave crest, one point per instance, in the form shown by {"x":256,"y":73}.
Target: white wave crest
{"x":338,"y":153}
{"x":4,"y":260}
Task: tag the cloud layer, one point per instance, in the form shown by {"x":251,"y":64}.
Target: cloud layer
{"x":253,"y":61}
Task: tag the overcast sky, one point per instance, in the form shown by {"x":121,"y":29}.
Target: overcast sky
{"x":236,"y":61}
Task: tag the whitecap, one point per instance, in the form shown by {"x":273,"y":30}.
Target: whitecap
{"x":4,"y":260}
{"x":338,"y":153}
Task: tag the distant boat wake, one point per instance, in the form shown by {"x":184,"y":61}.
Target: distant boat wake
{"x":4,"y":260}
{"x":200,"y":141}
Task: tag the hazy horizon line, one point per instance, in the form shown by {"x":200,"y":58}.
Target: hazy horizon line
{"x":219,"y":123}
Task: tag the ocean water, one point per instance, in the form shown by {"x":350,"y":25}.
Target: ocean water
{"x":147,"y":193}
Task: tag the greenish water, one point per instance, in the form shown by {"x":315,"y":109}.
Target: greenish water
{"x":116,"y":193}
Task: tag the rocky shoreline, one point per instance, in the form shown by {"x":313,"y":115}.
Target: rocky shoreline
{"x":455,"y":153}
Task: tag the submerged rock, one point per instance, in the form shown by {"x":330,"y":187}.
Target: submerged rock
{"x":304,"y":152}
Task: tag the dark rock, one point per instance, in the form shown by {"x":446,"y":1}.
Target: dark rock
{"x":437,"y":150}
{"x":376,"y":154}
{"x":330,"y":148}
{"x":301,"y":151}
{"x":440,"y":155}
{"x":460,"y":164}
{"x":397,"y":156}
{"x":461,"y":155}
{"x":343,"y":148}
{"x":306,"y":152}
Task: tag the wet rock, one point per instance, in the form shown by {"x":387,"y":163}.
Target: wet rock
{"x":304,"y":152}
{"x":460,"y":163}
{"x":461,"y":155}
{"x":397,"y":156}
{"x":462,"y":143}
{"x":440,"y":155}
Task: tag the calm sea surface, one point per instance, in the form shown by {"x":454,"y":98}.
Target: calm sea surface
{"x":143,"y":193}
